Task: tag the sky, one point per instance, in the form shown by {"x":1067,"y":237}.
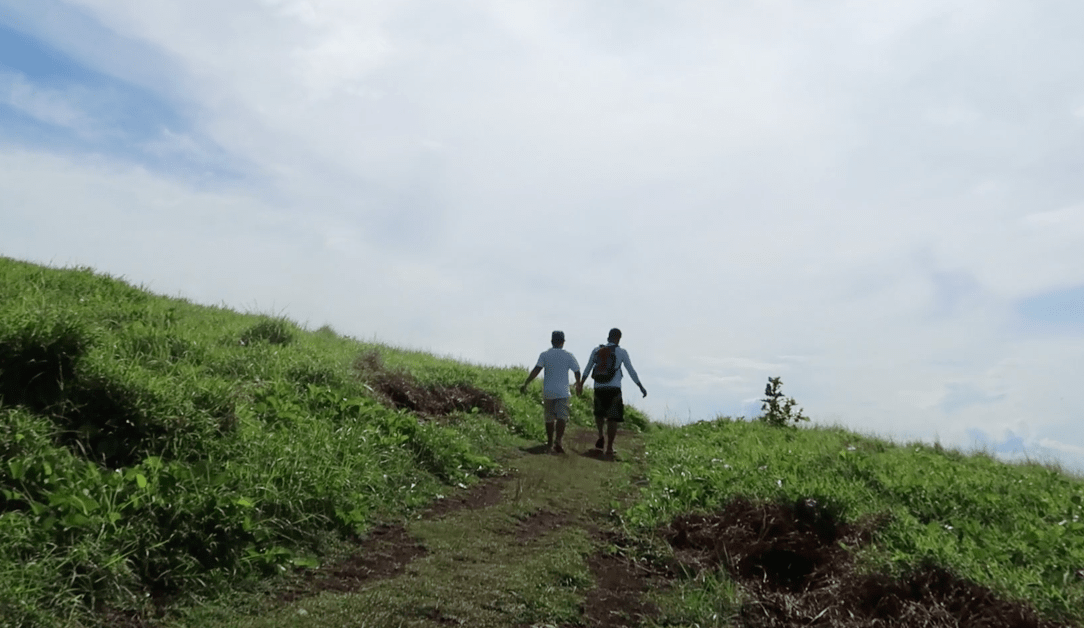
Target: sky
{"x":880,"y":203}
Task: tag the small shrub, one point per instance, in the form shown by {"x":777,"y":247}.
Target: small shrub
{"x":778,"y":411}
{"x":275,"y":331}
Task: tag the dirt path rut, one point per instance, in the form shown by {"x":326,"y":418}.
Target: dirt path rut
{"x":525,"y":549}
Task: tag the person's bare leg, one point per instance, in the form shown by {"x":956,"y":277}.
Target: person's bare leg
{"x":549,"y":434}
{"x":560,"y":436}
{"x":611,"y":429}
{"x":601,"y":439}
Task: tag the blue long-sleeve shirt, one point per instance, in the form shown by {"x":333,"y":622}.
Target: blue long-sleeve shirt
{"x":622,"y":361}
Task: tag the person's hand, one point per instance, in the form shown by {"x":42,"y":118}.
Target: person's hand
{"x":643,"y":390}
{"x":579,"y":389}
{"x":523,"y":389}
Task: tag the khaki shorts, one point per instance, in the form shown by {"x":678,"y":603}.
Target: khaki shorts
{"x":555,"y":409}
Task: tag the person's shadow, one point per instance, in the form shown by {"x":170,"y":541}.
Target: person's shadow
{"x":537,"y":450}
{"x":597,"y":454}
{"x":542,"y":450}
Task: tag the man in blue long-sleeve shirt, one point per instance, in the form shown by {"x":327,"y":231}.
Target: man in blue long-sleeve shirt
{"x":604,"y":365}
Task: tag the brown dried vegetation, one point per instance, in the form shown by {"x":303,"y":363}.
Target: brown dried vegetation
{"x":399,"y":389}
{"x":795,"y":564}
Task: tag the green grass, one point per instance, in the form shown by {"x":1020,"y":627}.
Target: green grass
{"x":150,"y":446}
{"x":478,"y":569}
{"x":708,"y":600}
{"x":1017,"y":529}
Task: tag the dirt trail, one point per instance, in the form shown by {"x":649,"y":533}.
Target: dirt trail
{"x":538,"y":548}
{"x":523,"y":549}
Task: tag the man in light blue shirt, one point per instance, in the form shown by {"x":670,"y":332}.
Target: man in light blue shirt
{"x":555,"y":392}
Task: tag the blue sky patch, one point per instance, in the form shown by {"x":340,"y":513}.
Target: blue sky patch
{"x":37,"y":61}
{"x":48,"y":100}
{"x":963,"y":395}
{"x":1012,"y":444}
{"x":1060,"y":310}
{"x":34,"y":71}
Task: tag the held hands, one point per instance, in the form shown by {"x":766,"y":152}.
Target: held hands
{"x":642,"y":389}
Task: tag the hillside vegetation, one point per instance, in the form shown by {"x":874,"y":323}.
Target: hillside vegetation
{"x":912,"y":509}
{"x":155,"y":454}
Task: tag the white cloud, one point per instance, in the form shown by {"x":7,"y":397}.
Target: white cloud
{"x":852,"y":196}
{"x":1075,"y":450}
{"x":708,"y":381}
{"x":735,"y":363}
{"x":51,"y":106}
{"x":212,"y":246}
{"x":1071,"y":217}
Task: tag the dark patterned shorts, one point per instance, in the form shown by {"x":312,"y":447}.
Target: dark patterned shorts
{"x":609,"y":403}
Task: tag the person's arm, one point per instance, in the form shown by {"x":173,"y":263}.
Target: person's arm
{"x":534,"y":374}
{"x":632,"y":372}
{"x":583,"y":380}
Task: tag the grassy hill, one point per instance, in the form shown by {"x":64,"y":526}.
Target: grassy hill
{"x":166,"y":463}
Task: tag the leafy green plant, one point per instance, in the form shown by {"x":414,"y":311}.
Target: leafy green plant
{"x":276,"y":331}
{"x":778,"y":411}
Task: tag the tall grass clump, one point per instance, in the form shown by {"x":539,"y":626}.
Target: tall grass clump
{"x":155,"y":449}
{"x":1018,"y":529}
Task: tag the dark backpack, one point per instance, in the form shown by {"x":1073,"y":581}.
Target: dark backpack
{"x":605,"y":364}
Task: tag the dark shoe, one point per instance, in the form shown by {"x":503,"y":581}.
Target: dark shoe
{"x":600,"y":443}
{"x":557,"y":449}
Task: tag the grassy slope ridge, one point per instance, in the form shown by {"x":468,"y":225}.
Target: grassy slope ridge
{"x":151,"y":446}
{"x":1017,"y":529}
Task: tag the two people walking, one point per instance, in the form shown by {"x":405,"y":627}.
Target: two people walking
{"x":605,"y":366}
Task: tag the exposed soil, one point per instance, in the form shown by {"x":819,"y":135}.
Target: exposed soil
{"x":794,"y":548}
{"x":482,"y":495}
{"x":387,"y":550}
{"x":125,"y":619}
{"x":538,"y":524}
{"x":384,"y":553}
{"x":618,"y":599}
{"x":619,"y":596}
{"x":399,"y":389}
{"x":792,"y":562}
